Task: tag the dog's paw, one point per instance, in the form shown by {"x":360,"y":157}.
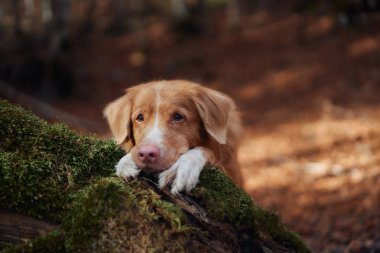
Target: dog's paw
{"x":184,"y":173}
{"x":127,"y":168}
{"x":167,"y":176}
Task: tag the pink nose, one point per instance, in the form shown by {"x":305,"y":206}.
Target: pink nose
{"x":148,"y":153}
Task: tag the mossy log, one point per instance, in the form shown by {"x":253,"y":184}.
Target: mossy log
{"x":50,"y":173}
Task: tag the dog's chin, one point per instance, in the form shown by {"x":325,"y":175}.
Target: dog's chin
{"x":153,"y":168}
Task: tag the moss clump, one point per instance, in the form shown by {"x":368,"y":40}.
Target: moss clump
{"x":41,"y":165}
{"x":89,"y":210}
{"x":228,"y":203}
{"x":48,"y":171}
{"x":111,"y":216}
{"x":271,"y":228}
{"x":214,"y":189}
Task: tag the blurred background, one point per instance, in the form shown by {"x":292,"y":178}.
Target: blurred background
{"x":304,"y":73}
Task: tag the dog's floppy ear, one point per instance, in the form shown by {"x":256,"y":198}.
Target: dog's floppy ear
{"x":118,"y":115}
{"x":215,"y":109}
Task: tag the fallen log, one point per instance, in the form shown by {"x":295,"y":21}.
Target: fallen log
{"x":52,"y":174}
{"x":16,"y":228}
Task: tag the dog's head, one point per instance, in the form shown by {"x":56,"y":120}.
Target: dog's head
{"x":159,"y":121}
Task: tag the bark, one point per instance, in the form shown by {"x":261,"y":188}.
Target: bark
{"x":15,"y":228}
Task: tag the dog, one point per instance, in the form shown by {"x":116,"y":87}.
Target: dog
{"x":174,"y":128}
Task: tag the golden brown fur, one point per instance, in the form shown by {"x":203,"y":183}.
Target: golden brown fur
{"x":210,"y":121}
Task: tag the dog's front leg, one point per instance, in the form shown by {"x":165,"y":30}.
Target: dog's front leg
{"x":184,"y":173}
{"x":127,"y":168}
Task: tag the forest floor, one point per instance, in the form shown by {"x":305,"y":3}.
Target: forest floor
{"x":309,"y":93}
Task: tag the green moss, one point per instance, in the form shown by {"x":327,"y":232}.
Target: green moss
{"x":89,"y":210}
{"x":50,"y":172}
{"x":29,"y":185}
{"x":226,"y":202}
{"x":271,"y":228}
{"x":110,"y":216}
{"x":41,"y":165}
{"x":212,"y":192}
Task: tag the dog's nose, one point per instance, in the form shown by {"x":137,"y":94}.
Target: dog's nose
{"x":148,"y":153}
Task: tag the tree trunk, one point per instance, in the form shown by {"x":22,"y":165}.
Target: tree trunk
{"x":16,"y":7}
{"x":15,"y":228}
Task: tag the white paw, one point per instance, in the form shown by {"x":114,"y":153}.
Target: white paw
{"x":184,"y":173}
{"x":127,"y":168}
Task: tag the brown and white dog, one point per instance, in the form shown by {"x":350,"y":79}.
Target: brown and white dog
{"x":174,"y":128}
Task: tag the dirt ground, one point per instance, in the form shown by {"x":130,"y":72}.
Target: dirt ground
{"x":308,"y":91}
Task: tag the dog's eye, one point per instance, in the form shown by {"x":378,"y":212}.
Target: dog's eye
{"x":140,"y":118}
{"x":177,"y":117}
